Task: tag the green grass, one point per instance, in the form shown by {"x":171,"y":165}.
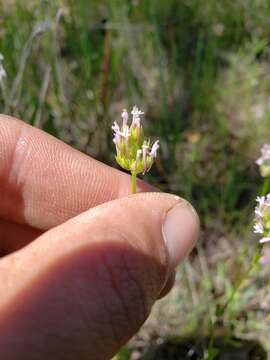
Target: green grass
{"x":200,"y":72}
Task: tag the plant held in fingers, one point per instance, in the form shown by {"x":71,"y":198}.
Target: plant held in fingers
{"x":134,"y":152}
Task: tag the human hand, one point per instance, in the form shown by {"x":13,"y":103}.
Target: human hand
{"x":96,"y":259}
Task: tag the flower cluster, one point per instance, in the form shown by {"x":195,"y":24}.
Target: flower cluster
{"x":262,"y":218}
{"x":133,"y":151}
{"x":264,"y":160}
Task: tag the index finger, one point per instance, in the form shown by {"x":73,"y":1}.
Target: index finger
{"x":44,"y":182}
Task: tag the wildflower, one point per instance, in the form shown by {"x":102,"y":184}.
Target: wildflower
{"x":262,"y":218}
{"x":264,"y":160}
{"x":133,"y":152}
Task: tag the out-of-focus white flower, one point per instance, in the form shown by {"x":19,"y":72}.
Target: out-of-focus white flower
{"x":262,"y":218}
{"x":3,"y":73}
{"x":258,"y":228}
{"x":154,"y":149}
{"x":265,"y":239}
{"x":264,"y":160}
{"x":132,"y":149}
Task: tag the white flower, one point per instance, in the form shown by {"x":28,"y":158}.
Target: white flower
{"x":125,"y":133}
{"x":136,"y":120}
{"x":116,"y":137}
{"x":258,"y":228}
{"x":154,"y":149}
{"x":125,"y":117}
{"x":262,"y":218}
{"x":3,"y":73}
{"x":265,"y":240}
{"x":265,"y":154}
{"x":260,"y":206}
{"x":136,"y":112}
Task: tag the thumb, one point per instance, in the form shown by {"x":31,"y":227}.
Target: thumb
{"x":82,"y":289}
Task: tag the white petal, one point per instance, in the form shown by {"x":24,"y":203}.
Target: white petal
{"x":154,"y":149}
{"x":136,"y":121}
{"x":264,"y":240}
{"x":3,"y":73}
{"x":136,"y":112}
{"x":125,"y":117}
{"x":115,"y":127}
{"x":258,"y":228}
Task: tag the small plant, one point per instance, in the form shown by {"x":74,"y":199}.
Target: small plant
{"x":134,"y":152}
{"x":261,"y":226}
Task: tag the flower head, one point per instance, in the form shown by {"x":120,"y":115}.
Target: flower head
{"x":262,"y":218}
{"x":264,"y":160}
{"x":133,"y":152}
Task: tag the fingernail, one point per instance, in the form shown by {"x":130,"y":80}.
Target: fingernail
{"x":180,"y":231}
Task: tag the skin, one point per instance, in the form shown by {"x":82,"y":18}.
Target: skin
{"x":82,"y":261}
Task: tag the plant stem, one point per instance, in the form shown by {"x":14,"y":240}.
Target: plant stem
{"x":134,"y":182}
{"x":236,"y":289}
{"x":253,"y":264}
{"x":265,"y":186}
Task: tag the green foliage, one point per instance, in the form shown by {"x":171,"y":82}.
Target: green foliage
{"x":71,"y":71}
{"x":199,"y":70}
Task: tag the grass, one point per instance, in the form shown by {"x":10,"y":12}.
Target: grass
{"x":200,"y":71}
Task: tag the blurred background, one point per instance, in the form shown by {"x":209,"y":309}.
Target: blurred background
{"x":199,"y":69}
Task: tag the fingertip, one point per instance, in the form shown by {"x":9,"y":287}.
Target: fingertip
{"x":180,"y":231}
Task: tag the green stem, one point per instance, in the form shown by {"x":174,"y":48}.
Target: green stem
{"x":134,"y":182}
{"x":265,"y":186}
{"x":236,"y":289}
{"x":253,"y":264}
